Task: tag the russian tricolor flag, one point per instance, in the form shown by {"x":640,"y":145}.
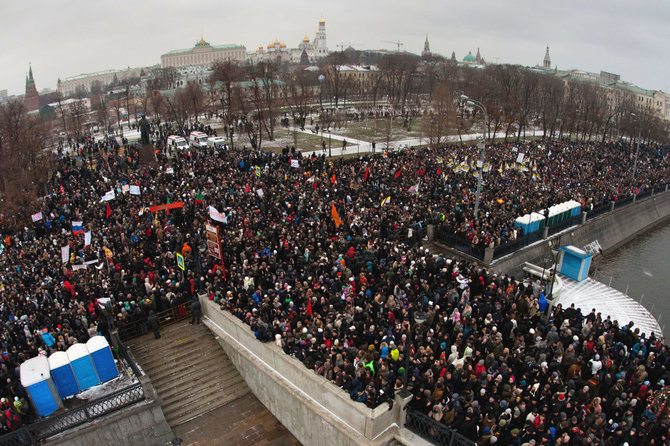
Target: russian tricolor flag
{"x":77,"y":227}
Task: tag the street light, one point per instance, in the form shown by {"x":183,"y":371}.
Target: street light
{"x":639,"y":135}
{"x":419,"y":317}
{"x":482,"y":147}
{"x":330,"y":153}
{"x":557,"y":244}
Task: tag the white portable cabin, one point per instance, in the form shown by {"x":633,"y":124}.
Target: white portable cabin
{"x":36,"y":378}
{"x":102,"y":357}
{"x":63,"y":375}
{"x":82,"y":366}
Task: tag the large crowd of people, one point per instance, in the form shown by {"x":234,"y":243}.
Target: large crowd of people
{"x":325,"y":258}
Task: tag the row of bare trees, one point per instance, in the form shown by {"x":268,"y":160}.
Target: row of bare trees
{"x":518,"y":100}
{"x":24,"y":165}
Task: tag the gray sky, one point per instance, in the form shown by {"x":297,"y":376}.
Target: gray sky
{"x":69,"y":37}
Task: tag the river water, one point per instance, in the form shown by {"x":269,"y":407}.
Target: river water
{"x":641,"y":269}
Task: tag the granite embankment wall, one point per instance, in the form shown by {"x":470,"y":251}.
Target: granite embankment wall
{"x":610,"y":230}
{"x":313,"y":409}
{"x":140,"y":424}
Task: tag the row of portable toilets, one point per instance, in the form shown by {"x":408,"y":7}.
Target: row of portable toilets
{"x":558,"y":213}
{"x":64,"y":374}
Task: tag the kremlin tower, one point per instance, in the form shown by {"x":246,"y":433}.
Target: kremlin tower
{"x":31,"y":100}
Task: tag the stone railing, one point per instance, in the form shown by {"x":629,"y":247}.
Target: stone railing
{"x":315,"y":410}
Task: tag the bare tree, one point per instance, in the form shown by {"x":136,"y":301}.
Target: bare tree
{"x":440,"y":120}
{"x":24,"y":165}
{"x":195,"y":98}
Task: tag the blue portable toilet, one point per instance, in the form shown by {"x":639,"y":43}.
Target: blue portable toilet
{"x":574,"y":262}
{"x":62,"y":375}
{"x":36,"y":379}
{"x":101,"y":354}
{"x":82,"y":366}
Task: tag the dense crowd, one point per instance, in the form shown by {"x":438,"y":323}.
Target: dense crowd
{"x":342,"y":298}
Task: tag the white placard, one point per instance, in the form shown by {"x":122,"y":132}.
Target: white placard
{"x":37,"y":217}
{"x":135,"y":190}
{"x":87,"y":238}
{"x":65,"y":253}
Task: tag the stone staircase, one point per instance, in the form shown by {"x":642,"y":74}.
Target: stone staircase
{"x":189,"y":370}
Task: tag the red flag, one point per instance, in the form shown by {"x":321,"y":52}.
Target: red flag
{"x":333,"y":180}
{"x":62,"y":191}
{"x":439,"y":171}
{"x":247,"y":189}
{"x":420,"y":172}
{"x":397,"y":174}
{"x":109,"y":210}
{"x":315,"y":184}
{"x":308,"y":312}
{"x":367,"y":172}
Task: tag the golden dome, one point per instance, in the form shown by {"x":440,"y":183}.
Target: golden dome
{"x":305,"y":39}
{"x":317,"y":33}
{"x":277,"y":42}
{"x":322,"y":22}
{"x":271,"y":46}
{"x":282,"y":45}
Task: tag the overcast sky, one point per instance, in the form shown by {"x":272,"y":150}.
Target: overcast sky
{"x":69,"y":37}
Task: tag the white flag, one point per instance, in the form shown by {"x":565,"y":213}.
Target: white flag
{"x":260,"y":192}
{"x":216,"y":215}
{"x":87,"y":238}
{"x":295,"y":163}
{"x":135,"y":190}
{"x":37,"y":217}
{"x":65,"y":253}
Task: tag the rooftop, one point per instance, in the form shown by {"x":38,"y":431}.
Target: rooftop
{"x":230,"y":46}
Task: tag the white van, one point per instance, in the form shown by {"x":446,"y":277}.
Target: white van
{"x":177,"y":142}
{"x":198,"y":140}
{"x":216,"y":142}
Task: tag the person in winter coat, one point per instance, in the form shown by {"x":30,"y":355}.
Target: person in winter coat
{"x":153,"y":324}
{"x":196,"y":310}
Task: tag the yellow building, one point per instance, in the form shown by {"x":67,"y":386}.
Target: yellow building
{"x":203,"y":54}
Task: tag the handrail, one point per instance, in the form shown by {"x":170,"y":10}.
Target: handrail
{"x":166,"y":317}
{"x":434,"y":431}
{"x":86,"y":413}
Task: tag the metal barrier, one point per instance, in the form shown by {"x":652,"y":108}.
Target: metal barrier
{"x":459,"y":243}
{"x":513,"y":245}
{"x":598,"y":210}
{"x":434,"y":431}
{"x":572,"y":221}
{"x":34,"y":433}
{"x":166,"y":317}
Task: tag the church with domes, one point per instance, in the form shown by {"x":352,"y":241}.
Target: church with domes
{"x":307,"y":51}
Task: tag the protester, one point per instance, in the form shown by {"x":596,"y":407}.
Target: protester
{"x":325,"y":258}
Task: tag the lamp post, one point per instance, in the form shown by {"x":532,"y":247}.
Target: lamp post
{"x":321,"y":79}
{"x":482,"y":148}
{"x":419,"y":317}
{"x":637,"y":148}
{"x":330,"y":153}
{"x":557,"y":244}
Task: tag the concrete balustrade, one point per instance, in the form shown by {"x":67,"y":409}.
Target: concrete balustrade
{"x":315,"y":410}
